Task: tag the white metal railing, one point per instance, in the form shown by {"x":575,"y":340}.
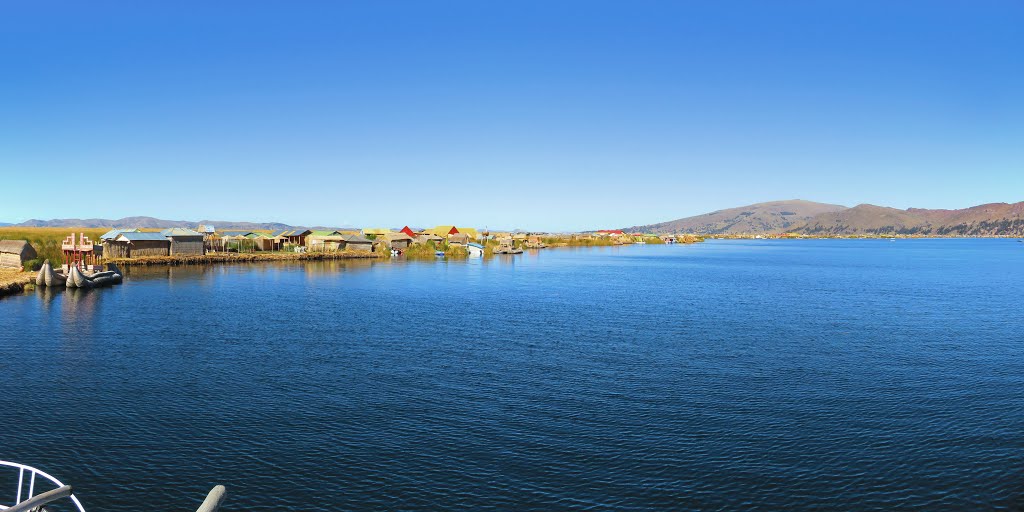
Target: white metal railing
{"x":32,"y":474}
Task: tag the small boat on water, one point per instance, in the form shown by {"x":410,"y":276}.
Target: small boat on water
{"x":37,"y":489}
{"x":507,"y":246}
{"x":475,"y":250}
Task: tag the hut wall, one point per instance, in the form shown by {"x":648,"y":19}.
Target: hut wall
{"x":10,"y":260}
{"x":14,"y":253}
{"x":400,"y":244}
{"x":187,"y":245}
{"x":263,"y":244}
{"x":115,"y":250}
{"x":354,"y":246}
{"x":142,"y":248}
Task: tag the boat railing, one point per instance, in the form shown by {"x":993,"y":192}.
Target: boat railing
{"x":27,"y":499}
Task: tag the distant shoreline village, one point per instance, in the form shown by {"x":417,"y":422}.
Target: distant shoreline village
{"x":87,"y":258}
{"x":97,"y":251}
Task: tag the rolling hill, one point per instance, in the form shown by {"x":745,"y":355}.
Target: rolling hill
{"x":994,"y":219}
{"x":771,"y":217}
{"x":819,"y":219}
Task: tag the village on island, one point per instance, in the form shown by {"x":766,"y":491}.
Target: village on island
{"x":83,"y":261}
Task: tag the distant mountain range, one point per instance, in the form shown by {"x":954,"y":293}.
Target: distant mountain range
{"x":807,"y":217}
{"x":150,"y":222}
{"x":772,"y":217}
{"x":794,"y":216}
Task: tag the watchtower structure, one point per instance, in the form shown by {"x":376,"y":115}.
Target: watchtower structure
{"x":80,"y":252}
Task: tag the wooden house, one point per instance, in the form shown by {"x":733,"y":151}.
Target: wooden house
{"x":14,"y":253}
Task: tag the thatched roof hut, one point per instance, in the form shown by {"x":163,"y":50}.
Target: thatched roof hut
{"x":427,"y":237}
{"x":400,"y":240}
{"x":458,"y":239}
{"x":14,"y":253}
{"x":357,"y":243}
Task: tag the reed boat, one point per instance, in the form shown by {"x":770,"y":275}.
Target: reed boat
{"x":75,"y":278}
{"x":37,"y":489}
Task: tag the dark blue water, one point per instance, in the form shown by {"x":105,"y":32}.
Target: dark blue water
{"x":788,"y":375}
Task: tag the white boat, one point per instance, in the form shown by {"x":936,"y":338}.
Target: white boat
{"x":36,"y":489}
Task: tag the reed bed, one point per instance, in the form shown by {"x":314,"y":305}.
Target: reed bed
{"x":425,"y":251}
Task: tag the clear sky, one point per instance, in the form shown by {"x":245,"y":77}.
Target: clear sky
{"x":537,"y":115}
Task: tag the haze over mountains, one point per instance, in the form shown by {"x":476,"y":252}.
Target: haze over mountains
{"x":810,"y":218}
{"x":792,"y":216}
{"x":150,"y":222}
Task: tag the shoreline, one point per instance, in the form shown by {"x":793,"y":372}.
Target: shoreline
{"x":13,"y":282}
{"x":226,"y":257}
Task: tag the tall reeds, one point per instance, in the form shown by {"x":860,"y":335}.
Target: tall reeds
{"x":47,"y":241}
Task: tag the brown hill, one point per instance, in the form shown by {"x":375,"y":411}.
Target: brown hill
{"x":771,"y":217}
{"x":995,"y":219}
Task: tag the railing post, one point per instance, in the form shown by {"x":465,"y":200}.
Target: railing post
{"x":213,"y":500}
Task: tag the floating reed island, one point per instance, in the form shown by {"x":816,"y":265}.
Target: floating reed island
{"x":89,"y":258}
{"x":13,"y":281}
{"x":231,"y":257}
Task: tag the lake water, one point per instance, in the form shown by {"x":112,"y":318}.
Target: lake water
{"x":771,"y":375}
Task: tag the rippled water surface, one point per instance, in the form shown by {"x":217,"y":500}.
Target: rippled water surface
{"x":774,"y":375}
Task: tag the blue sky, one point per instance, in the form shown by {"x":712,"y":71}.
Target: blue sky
{"x":538,"y":115}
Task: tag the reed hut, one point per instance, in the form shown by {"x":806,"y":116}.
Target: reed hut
{"x":400,"y":240}
{"x":14,"y":253}
{"x":262,"y":242}
{"x":325,"y":241}
{"x":357,"y":243}
{"x":137,"y":245}
{"x":293,"y":236}
{"x":184,"y":241}
{"x":458,"y":239}
{"x":428,"y":237}
{"x":376,"y":232}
